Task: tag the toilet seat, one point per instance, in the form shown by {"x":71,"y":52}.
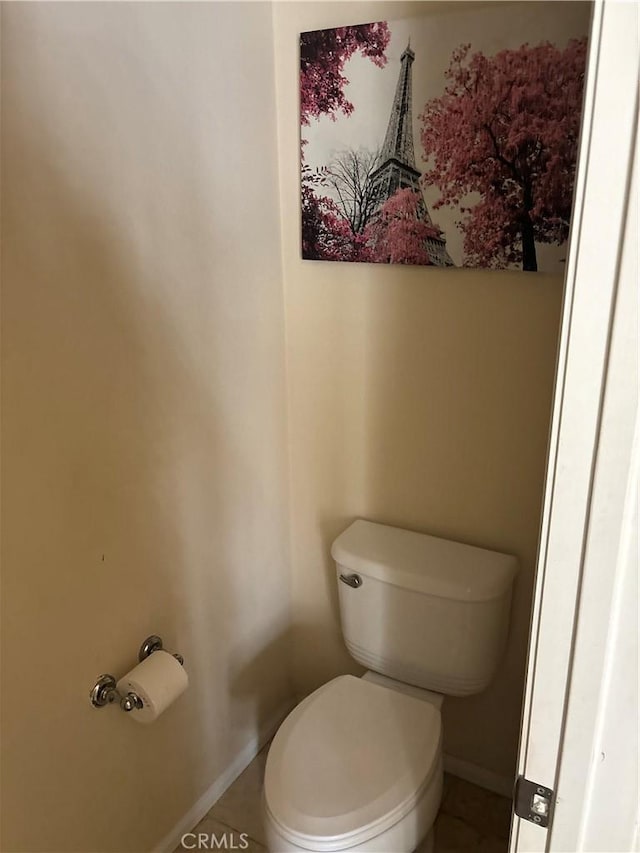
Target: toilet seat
{"x":349,"y":762}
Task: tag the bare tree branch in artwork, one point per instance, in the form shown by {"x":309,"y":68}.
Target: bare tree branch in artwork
{"x":349,"y":175}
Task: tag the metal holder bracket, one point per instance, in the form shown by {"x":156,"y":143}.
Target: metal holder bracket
{"x":154,"y":644}
{"x":104,"y":691}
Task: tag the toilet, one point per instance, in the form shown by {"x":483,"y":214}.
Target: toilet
{"x":357,"y":765}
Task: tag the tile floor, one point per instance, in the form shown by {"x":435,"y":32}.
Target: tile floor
{"x":471,"y":820}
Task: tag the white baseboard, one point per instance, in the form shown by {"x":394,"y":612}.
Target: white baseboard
{"x":502,"y":785}
{"x":224,"y":780}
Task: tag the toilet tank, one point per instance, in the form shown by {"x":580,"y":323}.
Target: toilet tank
{"x":423,"y":610}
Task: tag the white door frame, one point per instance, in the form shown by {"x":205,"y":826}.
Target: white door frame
{"x":582,"y":620}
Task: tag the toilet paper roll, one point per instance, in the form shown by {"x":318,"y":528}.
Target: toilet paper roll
{"x":158,"y":681}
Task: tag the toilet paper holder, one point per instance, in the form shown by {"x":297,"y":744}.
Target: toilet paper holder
{"x":104,"y":691}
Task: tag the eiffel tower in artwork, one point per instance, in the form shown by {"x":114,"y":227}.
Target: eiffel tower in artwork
{"x":396,"y":167}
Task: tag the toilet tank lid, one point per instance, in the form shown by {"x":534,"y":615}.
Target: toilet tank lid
{"x":424,"y":563}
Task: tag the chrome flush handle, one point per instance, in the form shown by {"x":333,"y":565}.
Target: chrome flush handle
{"x":352,"y":580}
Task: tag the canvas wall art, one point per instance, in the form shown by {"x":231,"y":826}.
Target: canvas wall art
{"x":446,"y":140}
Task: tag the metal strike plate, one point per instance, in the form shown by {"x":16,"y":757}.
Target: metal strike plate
{"x":533,"y":802}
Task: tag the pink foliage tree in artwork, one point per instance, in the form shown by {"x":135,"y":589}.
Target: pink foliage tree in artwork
{"x":507,"y":128}
{"x":326,"y":234}
{"x":323,"y":54}
{"x":399,"y":235}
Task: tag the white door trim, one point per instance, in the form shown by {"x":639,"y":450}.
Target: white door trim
{"x":597,"y":777}
{"x":602,"y":186}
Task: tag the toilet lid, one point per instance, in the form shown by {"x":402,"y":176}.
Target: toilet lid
{"x":350,"y":761}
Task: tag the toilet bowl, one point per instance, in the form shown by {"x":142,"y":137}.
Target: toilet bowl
{"x":357,"y":765}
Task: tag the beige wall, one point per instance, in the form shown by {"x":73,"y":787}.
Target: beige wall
{"x":144,"y":456}
{"x":416,"y":397}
